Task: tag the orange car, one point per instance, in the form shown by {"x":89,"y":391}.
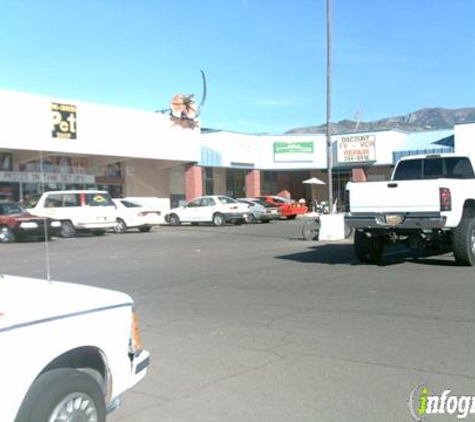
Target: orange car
{"x":289,"y":208}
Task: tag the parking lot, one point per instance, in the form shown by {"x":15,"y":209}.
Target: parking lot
{"x":251,"y":323}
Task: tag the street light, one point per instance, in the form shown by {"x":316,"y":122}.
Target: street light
{"x":329,"y":87}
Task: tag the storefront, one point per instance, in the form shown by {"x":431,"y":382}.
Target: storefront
{"x":75,"y":145}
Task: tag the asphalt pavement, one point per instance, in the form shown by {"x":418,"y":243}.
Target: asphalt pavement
{"x":252,"y":323}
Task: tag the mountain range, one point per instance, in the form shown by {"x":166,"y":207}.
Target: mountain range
{"x":417,"y":121}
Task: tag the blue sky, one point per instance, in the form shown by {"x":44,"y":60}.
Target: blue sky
{"x":265,"y":60}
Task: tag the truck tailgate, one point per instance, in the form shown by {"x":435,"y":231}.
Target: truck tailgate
{"x":394,"y":196}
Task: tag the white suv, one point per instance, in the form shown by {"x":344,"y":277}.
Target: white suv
{"x":218,"y":210}
{"x":78,"y":210}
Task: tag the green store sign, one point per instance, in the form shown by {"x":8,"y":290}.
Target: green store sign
{"x":293,"y":151}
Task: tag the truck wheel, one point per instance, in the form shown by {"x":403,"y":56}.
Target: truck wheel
{"x":63,"y":395}
{"x":368,"y":249}
{"x":464,"y":242}
{"x":67,"y":229}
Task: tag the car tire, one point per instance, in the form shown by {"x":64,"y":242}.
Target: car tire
{"x":67,"y":229}
{"x":174,"y":220}
{"x":251,"y":219}
{"x":6,"y":235}
{"x":218,"y":219}
{"x":464,"y":242}
{"x":63,"y":394}
{"x":145,"y":229}
{"x":121,"y":227}
{"x":368,"y":250}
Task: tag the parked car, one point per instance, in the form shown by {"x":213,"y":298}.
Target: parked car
{"x":132,"y":215}
{"x":289,"y":208}
{"x":216,"y":209}
{"x":260,"y":210}
{"x":69,"y":351}
{"x":78,"y":210}
{"x":17,"y":224}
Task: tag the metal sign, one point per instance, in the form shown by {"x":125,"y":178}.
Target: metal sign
{"x":63,"y":121}
{"x":293,"y":152}
{"x":356,"y":149}
{"x":33,"y":177}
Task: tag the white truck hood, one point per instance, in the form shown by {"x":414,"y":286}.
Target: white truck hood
{"x":24,"y":299}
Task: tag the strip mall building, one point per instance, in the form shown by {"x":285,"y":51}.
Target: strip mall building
{"x":55,"y":143}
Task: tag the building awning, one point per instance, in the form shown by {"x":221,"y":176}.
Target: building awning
{"x":432,"y":142}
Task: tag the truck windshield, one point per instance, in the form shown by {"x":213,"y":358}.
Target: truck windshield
{"x":434,"y":168}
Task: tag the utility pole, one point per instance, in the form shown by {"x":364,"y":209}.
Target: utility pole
{"x":329,"y":106}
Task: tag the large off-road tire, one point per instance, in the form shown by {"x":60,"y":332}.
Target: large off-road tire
{"x":63,"y":395}
{"x":368,"y":249}
{"x":464,"y":242}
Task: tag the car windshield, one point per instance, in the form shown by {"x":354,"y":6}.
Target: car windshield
{"x":10,"y":209}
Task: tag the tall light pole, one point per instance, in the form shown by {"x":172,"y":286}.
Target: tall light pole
{"x":329,"y":105}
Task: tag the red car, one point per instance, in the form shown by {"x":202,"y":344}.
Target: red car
{"x":16,"y":223}
{"x":289,"y":208}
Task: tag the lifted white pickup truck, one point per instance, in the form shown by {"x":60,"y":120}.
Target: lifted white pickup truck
{"x":67,"y":351}
{"x":429,"y":202}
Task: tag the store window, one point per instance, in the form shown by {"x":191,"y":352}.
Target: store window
{"x":6,"y":162}
{"x":236,"y":183}
{"x":208,"y":181}
{"x":269,"y":182}
{"x":177,"y":186}
{"x":340,"y":179}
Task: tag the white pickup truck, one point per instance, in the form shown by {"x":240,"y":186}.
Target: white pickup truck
{"x":429,"y":202}
{"x":68,"y":352}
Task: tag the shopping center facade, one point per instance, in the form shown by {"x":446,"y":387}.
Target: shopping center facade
{"x":50,"y":143}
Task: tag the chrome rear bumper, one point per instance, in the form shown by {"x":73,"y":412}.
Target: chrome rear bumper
{"x":395,"y":220}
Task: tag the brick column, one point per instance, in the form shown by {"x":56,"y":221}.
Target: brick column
{"x":193,"y":182}
{"x":283,"y":184}
{"x":358,"y":175}
{"x":253,"y":183}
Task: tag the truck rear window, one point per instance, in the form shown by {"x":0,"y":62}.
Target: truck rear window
{"x":434,"y":168}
